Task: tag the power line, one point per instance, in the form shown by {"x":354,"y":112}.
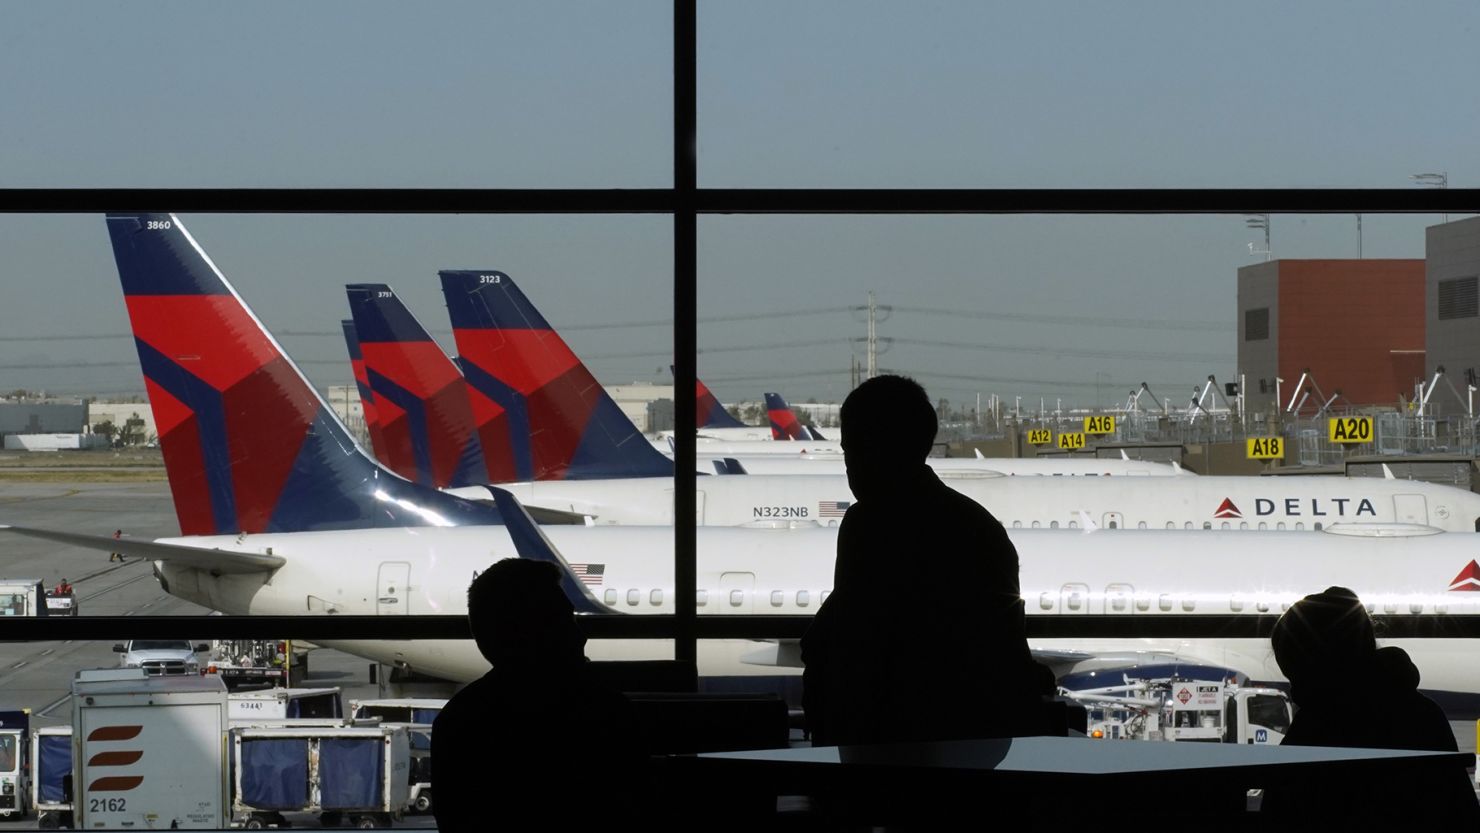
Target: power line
{"x":1076,"y":352}
{"x":1074,"y":320}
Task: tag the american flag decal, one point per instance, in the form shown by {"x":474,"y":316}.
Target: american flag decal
{"x":589,"y":573}
{"x":832,"y":508}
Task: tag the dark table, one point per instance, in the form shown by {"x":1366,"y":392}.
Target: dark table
{"x":1047,"y":782}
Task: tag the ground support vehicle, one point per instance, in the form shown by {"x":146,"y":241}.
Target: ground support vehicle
{"x":1176,"y":709}
{"x":257,"y":663}
{"x":149,"y":751}
{"x":160,"y":657}
{"x":23,"y":597}
{"x":358,"y":773}
{"x":51,"y":782}
{"x":285,"y":704}
{"x":417,"y":715}
{"x":15,"y":727}
{"x":61,"y":604}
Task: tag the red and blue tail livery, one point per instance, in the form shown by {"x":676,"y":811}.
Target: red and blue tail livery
{"x":426,"y":424}
{"x":248,"y":444}
{"x":711,"y":414}
{"x":784,"y":423}
{"x":362,"y":384}
{"x":540,"y":413}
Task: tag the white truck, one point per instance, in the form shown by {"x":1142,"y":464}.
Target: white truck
{"x":160,"y":657}
{"x":359,"y":773}
{"x":23,"y":597}
{"x":51,"y":776}
{"x":284,"y":704}
{"x":149,"y":750}
{"x":1177,"y":709}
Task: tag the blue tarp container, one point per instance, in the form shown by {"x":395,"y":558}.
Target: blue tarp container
{"x":55,"y":753}
{"x":351,"y":771}
{"x":274,"y":773}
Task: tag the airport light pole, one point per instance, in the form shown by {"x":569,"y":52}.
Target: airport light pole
{"x":1259,"y":221}
{"x":1439,"y":179}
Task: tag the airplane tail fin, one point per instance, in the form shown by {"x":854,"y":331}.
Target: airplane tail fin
{"x":426,"y":422}
{"x":784,"y":423}
{"x":248,"y":444}
{"x":531,"y":542}
{"x":549,"y":419}
{"x":362,"y":384}
{"x":711,"y":413}
{"x":815,"y":434}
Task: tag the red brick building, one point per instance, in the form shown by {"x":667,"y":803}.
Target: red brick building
{"x":1358,"y":325}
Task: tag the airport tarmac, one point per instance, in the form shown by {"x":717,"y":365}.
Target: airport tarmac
{"x":37,"y":675}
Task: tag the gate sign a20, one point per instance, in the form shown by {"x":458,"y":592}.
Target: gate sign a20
{"x":1351,"y":429}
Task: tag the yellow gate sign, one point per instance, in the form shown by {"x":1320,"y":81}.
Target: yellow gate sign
{"x":1266,"y":448}
{"x":1099,"y":425}
{"x":1071,"y":441}
{"x":1351,"y":429}
{"x":1040,"y":436}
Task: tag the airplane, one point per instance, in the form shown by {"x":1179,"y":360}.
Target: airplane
{"x":485,"y":303}
{"x":784,"y":423}
{"x":747,"y":461}
{"x":709,"y":413}
{"x":282,"y":513}
{"x":367,"y":398}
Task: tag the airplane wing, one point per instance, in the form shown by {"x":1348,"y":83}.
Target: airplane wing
{"x":217,"y":561}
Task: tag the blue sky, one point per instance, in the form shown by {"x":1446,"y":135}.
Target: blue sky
{"x":824,"y":94}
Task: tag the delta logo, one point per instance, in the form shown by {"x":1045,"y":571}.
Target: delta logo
{"x":1340,"y":507}
{"x":1468,"y":578}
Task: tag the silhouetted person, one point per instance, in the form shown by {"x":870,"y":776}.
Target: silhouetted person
{"x":922,"y":636}
{"x":534,"y":740}
{"x":1350,"y":693}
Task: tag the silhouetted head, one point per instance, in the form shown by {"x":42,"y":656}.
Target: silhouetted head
{"x":519,"y":614}
{"x":888,"y":427}
{"x":1324,"y":636}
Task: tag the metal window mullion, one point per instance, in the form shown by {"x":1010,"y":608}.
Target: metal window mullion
{"x":685,"y":324}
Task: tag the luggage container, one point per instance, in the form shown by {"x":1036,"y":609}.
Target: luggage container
{"x":149,"y":750}
{"x":285,"y":704}
{"x":417,"y":715}
{"x":51,"y":776}
{"x":357,"y":773}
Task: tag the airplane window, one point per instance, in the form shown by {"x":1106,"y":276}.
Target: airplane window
{"x":1143,"y":603}
{"x":1164,"y":602}
{"x":1318,"y":525}
{"x":610,"y":597}
{"x":1300,"y":524}
{"x":1053,"y":524}
{"x":1117,"y":603}
{"x":634,"y":596}
{"x":1280,"y":525}
{"x":1415,"y":608}
{"x":1141,"y":525}
{"x":777,"y":597}
{"x":1045,"y":601}
{"x":1236,"y":604}
{"x":1189,"y":605}
{"x":1263,"y":525}
{"x":1441,"y":609}
{"x":1171,"y":525}
{"x":1389,"y":607}
{"x":1035,"y":524}
{"x":1262,"y":607}
{"x":656,"y":597}
{"x":1073,"y":602}
{"x":737,"y":598}
{"x":1019,"y":524}
{"x":803,"y":598}
{"x":1074,"y":524}
{"x":1226,"y":525}
{"x":1208,"y":524}
{"x":1243,"y":524}
{"x":1113,"y":525}
{"x":1187,"y":525}
{"x":701,"y":598}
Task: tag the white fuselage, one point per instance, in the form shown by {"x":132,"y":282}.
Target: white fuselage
{"x":1250,"y":503}
{"x":832,"y":464}
{"x":731,"y":447}
{"x":743,"y":571}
